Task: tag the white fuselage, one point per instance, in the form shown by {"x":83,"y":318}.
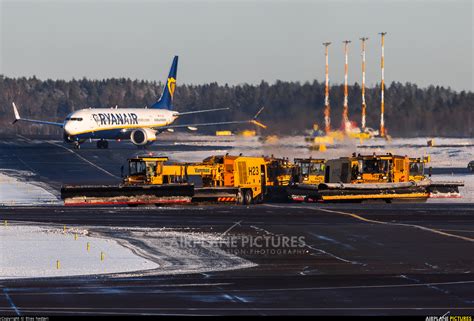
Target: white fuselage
{"x":102,"y":123}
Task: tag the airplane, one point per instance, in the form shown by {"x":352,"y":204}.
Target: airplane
{"x":140,"y":125}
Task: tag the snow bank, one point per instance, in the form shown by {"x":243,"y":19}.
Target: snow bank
{"x":17,"y":192}
{"x":32,"y":252}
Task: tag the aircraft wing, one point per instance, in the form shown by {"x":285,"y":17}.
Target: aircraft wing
{"x":201,"y":111}
{"x":18,"y":118}
{"x":195,"y":126}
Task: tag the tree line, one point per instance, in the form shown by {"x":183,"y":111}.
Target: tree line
{"x":290,"y":107}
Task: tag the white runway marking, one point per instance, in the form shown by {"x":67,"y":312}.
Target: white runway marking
{"x":9,"y":299}
{"x":85,"y":160}
{"x":73,"y":152}
{"x":230,"y":228}
{"x":312,"y":248}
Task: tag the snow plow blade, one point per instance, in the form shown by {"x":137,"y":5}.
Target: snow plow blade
{"x":75,"y":195}
{"x":345,"y":192}
{"x":387,"y":194}
{"x":445,"y":189}
{"x":335,"y":192}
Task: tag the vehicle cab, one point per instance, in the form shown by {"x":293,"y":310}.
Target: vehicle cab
{"x":417,"y":168}
{"x":310,"y":171}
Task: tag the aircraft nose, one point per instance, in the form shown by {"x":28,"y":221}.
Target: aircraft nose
{"x":67,"y":128}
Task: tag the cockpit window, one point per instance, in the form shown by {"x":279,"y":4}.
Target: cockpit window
{"x":74,"y":118}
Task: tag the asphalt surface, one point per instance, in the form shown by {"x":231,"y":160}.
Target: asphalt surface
{"x":369,"y":259}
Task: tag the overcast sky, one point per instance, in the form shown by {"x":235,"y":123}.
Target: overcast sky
{"x":428,"y":42}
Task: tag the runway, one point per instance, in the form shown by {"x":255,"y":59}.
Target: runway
{"x":349,"y":266}
{"x":369,"y":259}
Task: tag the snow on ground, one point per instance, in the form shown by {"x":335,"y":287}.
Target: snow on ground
{"x":28,"y":251}
{"x":16,"y":192}
{"x":32,"y":252}
{"x":180,"y":251}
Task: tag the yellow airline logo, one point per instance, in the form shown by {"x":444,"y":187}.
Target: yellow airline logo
{"x":171,"y":86}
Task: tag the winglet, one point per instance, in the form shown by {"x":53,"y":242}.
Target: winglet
{"x":258,"y":112}
{"x":254,"y":120}
{"x":15,"y":111}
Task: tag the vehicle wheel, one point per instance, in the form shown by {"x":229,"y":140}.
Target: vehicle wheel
{"x":240,"y":197}
{"x":77,"y":145}
{"x":248,"y":197}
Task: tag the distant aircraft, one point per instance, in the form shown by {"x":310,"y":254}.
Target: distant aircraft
{"x":140,"y":125}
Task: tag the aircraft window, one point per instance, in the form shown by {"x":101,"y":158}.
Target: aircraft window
{"x":74,"y":118}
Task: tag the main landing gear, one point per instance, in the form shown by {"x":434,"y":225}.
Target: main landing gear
{"x":102,"y":144}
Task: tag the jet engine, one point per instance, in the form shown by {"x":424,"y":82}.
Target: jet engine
{"x":143,"y":136}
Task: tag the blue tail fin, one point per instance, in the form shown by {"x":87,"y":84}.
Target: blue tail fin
{"x":166,"y":99}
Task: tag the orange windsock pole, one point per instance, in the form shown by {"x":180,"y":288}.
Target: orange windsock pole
{"x":327,"y":108}
{"x":345,"y":111}
{"x":382,"y":88}
{"x":364,"y":106}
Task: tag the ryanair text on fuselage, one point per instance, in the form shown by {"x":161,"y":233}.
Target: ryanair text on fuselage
{"x":116,"y":118}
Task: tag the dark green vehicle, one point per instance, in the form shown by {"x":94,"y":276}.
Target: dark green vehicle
{"x":470,"y":166}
